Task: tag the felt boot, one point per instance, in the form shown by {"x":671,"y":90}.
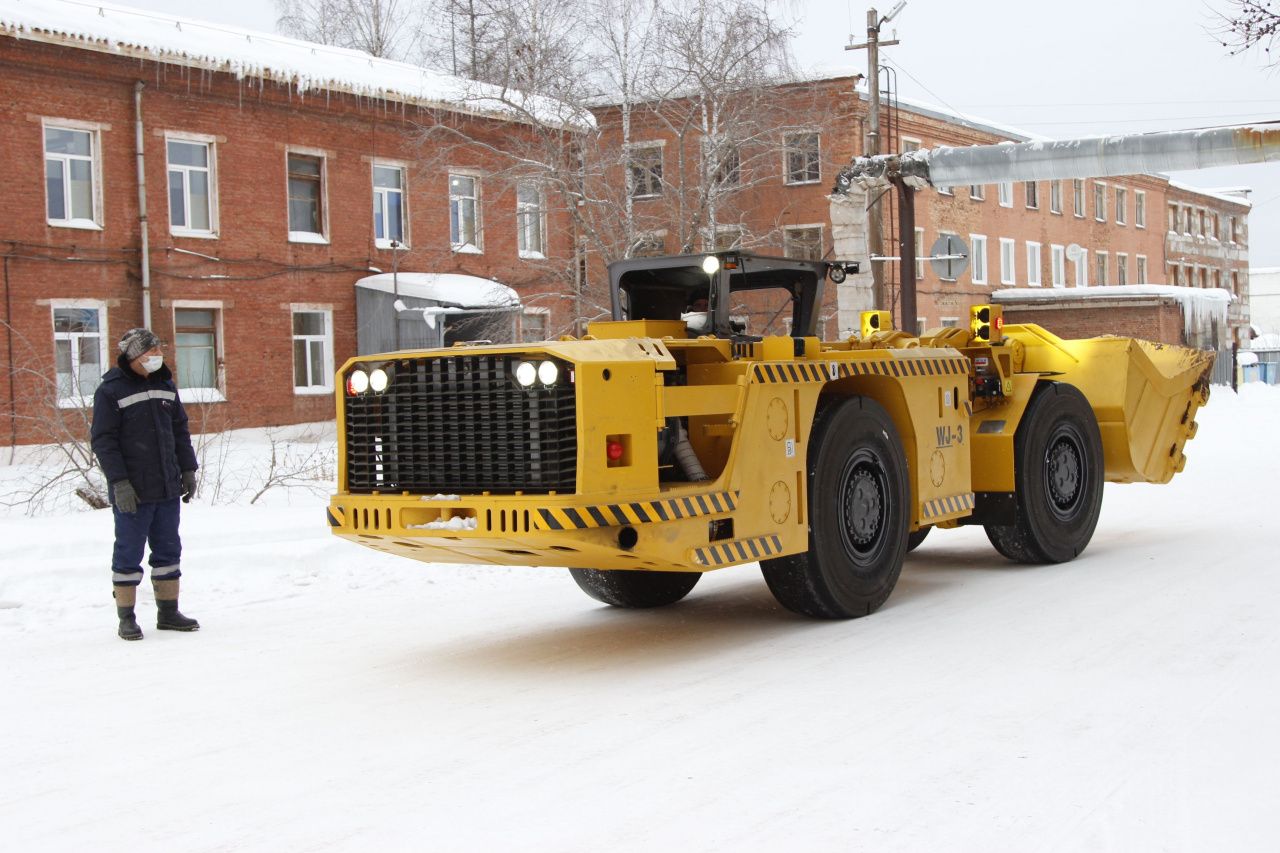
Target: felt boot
{"x":169,"y":619}
{"x":126,"y":597}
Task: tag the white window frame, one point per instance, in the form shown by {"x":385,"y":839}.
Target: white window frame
{"x":1008,"y":261}
{"x":1055,"y":197}
{"x":1122,"y":268}
{"x":1004,"y":194}
{"x":94,"y":130}
{"x":1033,"y":264}
{"x":202,"y":394}
{"x":475,"y":247}
{"x":907,"y":144}
{"x":1082,"y":269}
{"x":788,"y":241}
{"x":1141,"y":272}
{"x":211,"y":145}
{"x":384,"y":208}
{"x":75,"y":400}
{"x":949,"y":322}
{"x":1102,"y":263}
{"x":1122,"y":206}
{"x":531,"y":214}
{"x":787,"y":147}
{"x":1077,"y":198}
{"x":1031,"y":194}
{"x":1099,"y":195}
{"x":1139,"y":209}
{"x":977,"y":192}
{"x":978,"y":258}
{"x":922,"y":325}
{"x":634,"y":148}
{"x":321,"y":238}
{"x":538,"y":311}
{"x":325,"y":340}
{"x":1057,"y":265}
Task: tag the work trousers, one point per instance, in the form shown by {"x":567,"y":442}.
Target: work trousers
{"x":154,"y":524}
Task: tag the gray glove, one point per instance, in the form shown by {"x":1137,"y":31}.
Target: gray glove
{"x":126,"y":499}
{"x":188,"y":486}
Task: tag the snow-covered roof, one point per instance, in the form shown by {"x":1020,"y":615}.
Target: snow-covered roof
{"x":456,"y":289}
{"x":1268,"y":341}
{"x":306,"y":66}
{"x":1230,"y":194}
{"x":1200,"y":305}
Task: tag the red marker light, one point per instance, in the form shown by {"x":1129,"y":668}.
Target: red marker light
{"x":999,"y":322}
{"x":614,"y":450}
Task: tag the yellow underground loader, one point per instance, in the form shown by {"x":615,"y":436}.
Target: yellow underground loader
{"x":669,"y":442}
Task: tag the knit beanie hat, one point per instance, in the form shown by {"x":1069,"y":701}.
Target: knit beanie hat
{"x":137,"y":341}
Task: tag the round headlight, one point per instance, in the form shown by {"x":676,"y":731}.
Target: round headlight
{"x":378,"y":380}
{"x":710,"y":265}
{"x":548,"y":372}
{"x":526,"y":373}
{"x":358,"y":382}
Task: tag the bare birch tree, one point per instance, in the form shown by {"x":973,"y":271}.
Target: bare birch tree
{"x":384,"y":28}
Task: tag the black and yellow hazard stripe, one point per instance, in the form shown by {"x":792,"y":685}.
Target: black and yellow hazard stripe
{"x":824,"y":371}
{"x":334,"y":516}
{"x":640,"y":512}
{"x":952,"y":505}
{"x":738,"y":551}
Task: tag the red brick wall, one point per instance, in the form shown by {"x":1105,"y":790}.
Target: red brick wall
{"x":259,"y":272}
{"x":1158,"y":320}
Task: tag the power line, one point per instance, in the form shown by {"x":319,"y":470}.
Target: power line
{"x":1095,"y":121}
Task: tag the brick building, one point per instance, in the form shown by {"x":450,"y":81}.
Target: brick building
{"x":268,"y":195}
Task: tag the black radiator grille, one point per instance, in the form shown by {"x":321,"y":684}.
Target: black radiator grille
{"x":462,"y":424}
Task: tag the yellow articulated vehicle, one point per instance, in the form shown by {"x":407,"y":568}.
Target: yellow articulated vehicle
{"x":667,"y":442}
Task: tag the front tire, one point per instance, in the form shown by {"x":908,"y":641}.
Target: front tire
{"x":858,"y":516}
{"x":1058,"y":476}
{"x":634,"y":589}
{"x":914,"y":540}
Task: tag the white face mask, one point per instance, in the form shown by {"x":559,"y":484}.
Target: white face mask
{"x":153,"y":363}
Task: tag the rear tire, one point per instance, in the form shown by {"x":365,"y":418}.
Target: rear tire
{"x":633,"y":589}
{"x":858,"y":516}
{"x":1058,"y":476}
{"x":914,"y":539}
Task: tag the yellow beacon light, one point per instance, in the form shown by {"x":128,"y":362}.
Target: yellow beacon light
{"x":986,"y":322}
{"x":875,"y":321}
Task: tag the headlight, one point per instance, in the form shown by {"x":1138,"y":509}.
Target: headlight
{"x":358,"y":382}
{"x":526,"y":374}
{"x":378,"y":380}
{"x":548,"y":372}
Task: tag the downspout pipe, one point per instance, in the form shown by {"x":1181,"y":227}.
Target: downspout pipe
{"x":145,"y":259}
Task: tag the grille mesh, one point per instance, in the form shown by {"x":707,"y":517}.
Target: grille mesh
{"x":462,"y":424}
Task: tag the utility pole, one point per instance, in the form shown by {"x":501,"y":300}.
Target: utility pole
{"x":875,"y":229}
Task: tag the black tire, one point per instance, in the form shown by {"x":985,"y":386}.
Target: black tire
{"x":1058,"y":477}
{"x":858,"y":516}
{"x":626,"y":588}
{"x":914,"y":539}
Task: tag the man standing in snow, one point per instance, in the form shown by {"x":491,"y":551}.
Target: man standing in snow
{"x":141,"y":439}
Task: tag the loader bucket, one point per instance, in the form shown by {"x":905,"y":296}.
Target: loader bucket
{"x":1145,"y":395}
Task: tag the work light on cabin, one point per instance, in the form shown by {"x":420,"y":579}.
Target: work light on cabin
{"x":986,"y":322}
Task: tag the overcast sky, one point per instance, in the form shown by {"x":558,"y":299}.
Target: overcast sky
{"x":1063,"y":69}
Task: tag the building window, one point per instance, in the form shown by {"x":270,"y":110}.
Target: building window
{"x":921,"y":326}
{"x":803,"y":243}
{"x":1004,"y":193}
{"x":1055,"y":196}
{"x":1100,"y":266}
{"x":1139,"y":209}
{"x":1173,"y":218}
{"x":531,"y":225}
{"x":196,"y":338}
{"x":1122,"y":205}
{"x":978,"y":192}
{"x":191,"y":187}
{"x":1033,"y":264}
{"x":1188,"y":218}
{"x":1006,"y":261}
{"x":1033,"y":195}
{"x":312,"y":350}
{"x":306,"y":198}
{"x":71,"y":173}
{"x":388,"y":205}
{"x":464,"y":213}
{"x":727,"y":171}
{"x":1122,"y":268}
{"x":644,"y":170}
{"x":945,"y":190}
{"x":1077,"y":198}
{"x":1058,"y":266}
{"x":909,"y":144}
{"x":949,"y":322}
{"x":1142,"y":269}
{"x":1211,"y":226}
{"x":978,"y":258}
{"x":919,"y":254}
{"x":79,"y":348}
{"x":1099,"y":201}
{"x":727,"y":237}
{"x":803,"y":158}
{"x":1082,"y":269}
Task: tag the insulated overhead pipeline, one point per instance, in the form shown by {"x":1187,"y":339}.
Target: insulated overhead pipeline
{"x":1093,"y":157}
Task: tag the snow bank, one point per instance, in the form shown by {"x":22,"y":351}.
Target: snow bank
{"x":247,"y":54}
{"x":1200,"y":305}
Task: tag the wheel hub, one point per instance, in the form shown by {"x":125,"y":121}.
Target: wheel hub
{"x":863,"y":507}
{"x":1063,"y":468}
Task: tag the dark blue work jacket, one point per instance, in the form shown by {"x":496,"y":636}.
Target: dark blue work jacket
{"x":140,"y":432}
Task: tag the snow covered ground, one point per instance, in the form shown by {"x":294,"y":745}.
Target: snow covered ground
{"x":339,"y":699}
